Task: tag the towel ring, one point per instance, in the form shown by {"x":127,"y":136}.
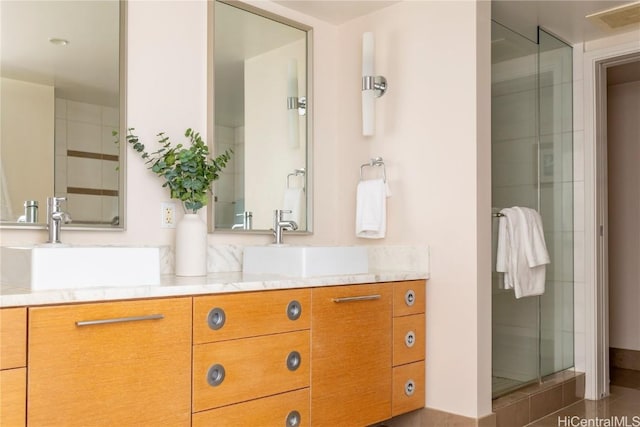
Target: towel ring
{"x":296,"y":172}
{"x":373,"y":163}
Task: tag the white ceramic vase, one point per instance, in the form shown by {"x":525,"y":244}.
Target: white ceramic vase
{"x":191,"y":246}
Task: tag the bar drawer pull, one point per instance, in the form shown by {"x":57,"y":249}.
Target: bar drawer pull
{"x":120,"y":320}
{"x":351,"y":299}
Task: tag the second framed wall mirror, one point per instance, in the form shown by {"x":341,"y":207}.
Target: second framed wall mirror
{"x":261,"y":108}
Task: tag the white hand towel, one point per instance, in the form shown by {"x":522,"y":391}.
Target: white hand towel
{"x":522,"y":253}
{"x":534,"y":244}
{"x":371,"y":209}
{"x":294,"y":202}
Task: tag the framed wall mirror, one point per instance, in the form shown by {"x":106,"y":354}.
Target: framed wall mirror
{"x":62,"y":101}
{"x":261,"y":109}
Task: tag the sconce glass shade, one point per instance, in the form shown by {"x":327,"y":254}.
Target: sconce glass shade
{"x":368,"y":95}
{"x":293,"y":119}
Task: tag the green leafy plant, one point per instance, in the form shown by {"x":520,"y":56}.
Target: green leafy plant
{"x":188,"y":171}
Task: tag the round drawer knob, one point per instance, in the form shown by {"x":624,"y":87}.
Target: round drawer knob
{"x":215,"y":375}
{"x":410,"y":339}
{"x":293,"y":360}
{"x":410,"y":297}
{"x":216,"y":318}
{"x":409,"y":388}
{"x":293,"y":419}
{"x":294,"y":310}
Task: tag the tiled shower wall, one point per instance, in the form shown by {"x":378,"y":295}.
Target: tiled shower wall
{"x":84,"y":144}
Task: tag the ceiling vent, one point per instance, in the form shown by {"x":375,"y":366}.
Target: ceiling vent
{"x":617,"y":17}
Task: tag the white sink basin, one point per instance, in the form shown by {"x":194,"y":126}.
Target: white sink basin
{"x":59,"y":267}
{"x":305,"y":261}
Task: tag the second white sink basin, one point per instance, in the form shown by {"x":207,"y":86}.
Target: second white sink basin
{"x":60,"y":267}
{"x":305,"y":261}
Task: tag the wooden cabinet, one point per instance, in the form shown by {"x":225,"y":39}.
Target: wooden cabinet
{"x":116,"y":363}
{"x":408,"y":347}
{"x":328,"y":356}
{"x":252,"y":358}
{"x":351,"y":349}
{"x":13,"y":373}
{"x":368,"y":350}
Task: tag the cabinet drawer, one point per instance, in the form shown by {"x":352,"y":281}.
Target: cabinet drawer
{"x":13,"y":345}
{"x":131,"y":367}
{"x":409,"y":297}
{"x":280,"y":410}
{"x":225,"y":317}
{"x":13,"y":397}
{"x":408,"y":388}
{"x":238,"y":370}
{"x":408,"y":339}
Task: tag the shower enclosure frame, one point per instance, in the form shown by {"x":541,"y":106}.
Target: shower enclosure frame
{"x":550,"y":72}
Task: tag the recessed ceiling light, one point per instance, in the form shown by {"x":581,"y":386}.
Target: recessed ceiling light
{"x":58,"y":42}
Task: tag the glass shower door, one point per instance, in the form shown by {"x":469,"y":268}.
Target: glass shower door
{"x":556,"y":201}
{"x":532,"y":166}
{"x":514,"y":145}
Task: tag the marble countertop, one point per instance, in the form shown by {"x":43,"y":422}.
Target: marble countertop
{"x":213,"y":283}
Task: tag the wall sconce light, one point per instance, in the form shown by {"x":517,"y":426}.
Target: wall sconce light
{"x":372,"y":86}
{"x":295,"y":106}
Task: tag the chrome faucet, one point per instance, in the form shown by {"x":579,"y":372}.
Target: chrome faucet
{"x":279,"y":225}
{"x":55,"y":218}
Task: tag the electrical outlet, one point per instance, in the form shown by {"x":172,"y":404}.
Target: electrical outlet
{"x":168,"y":215}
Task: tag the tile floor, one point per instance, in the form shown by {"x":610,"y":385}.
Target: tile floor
{"x":621,"y":408}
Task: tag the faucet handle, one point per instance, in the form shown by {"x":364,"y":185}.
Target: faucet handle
{"x":279,"y":212}
{"x":54,"y":202}
{"x":53,"y":205}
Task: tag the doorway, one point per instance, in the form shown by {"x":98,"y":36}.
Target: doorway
{"x":617,"y":211}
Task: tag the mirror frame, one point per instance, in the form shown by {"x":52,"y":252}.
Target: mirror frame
{"x":122,"y":129}
{"x":211,"y":109}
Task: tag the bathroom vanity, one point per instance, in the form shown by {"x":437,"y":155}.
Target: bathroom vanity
{"x":296,"y":352}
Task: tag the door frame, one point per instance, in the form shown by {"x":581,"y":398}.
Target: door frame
{"x":595,"y":213}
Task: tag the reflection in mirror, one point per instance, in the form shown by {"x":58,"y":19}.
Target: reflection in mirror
{"x":261,"y":82}
{"x":61,"y":102}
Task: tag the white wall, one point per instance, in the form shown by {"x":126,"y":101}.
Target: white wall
{"x":433,"y":130}
{"x":27,"y":144}
{"x":623,"y":152}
